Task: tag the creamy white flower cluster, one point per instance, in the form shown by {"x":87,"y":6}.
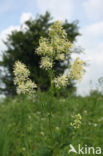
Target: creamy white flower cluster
{"x":46,"y":63}
{"x":56,"y":47}
{"x":60,"y":81}
{"x":77,"y":71}
{"x":21,"y":72}
{"x":24,"y":84}
{"x":45,"y":48}
{"x":77,"y":121}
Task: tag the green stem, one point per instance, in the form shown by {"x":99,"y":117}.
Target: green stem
{"x":50,"y":127}
{"x":50,"y":111}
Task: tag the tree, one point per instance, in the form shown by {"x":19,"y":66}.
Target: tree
{"x":21,"y":45}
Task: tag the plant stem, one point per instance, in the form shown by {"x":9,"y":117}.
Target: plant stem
{"x":50,"y":108}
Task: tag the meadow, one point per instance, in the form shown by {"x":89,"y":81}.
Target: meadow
{"x":24,"y":128}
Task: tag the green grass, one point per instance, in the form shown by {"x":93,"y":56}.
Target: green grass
{"x":24,"y":125}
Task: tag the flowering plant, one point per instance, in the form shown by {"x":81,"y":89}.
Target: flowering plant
{"x":54,"y":48}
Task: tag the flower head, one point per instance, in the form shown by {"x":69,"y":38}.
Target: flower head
{"x":46,"y":63}
{"x":57,"y":30}
{"x":21,"y":73}
{"x":45,"y":48}
{"x":27,"y":87}
{"x":77,"y":71}
{"x":77,"y":121}
{"x":60,"y":81}
{"x":60,"y":57}
{"x":24,"y":84}
{"x":55,"y":47}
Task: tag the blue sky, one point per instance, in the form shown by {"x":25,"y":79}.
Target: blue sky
{"x":88,"y":12}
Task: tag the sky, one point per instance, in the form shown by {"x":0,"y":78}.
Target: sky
{"x":14,"y":13}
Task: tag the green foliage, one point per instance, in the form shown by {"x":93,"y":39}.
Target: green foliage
{"x":24,"y":127}
{"x":21,"y":45}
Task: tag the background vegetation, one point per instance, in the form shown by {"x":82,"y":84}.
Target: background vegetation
{"x":24,"y":127}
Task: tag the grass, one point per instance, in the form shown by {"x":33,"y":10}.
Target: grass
{"x":24,"y":125}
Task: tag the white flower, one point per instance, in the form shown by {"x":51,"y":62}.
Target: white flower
{"x":45,"y":48}
{"x":24,"y":84}
{"x":77,"y":71}
{"x":57,"y":128}
{"x":21,"y":72}
{"x":60,"y":57}
{"x":55,"y":47}
{"x":61,"y":81}
{"x":77,"y":121}
{"x":46,"y":63}
{"x":23,"y":148}
{"x":42,"y":133}
{"x":27,"y":87}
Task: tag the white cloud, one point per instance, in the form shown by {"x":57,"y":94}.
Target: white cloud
{"x":95,"y":29}
{"x":59,"y":9}
{"x":94,"y":8}
{"x":4,"y":34}
{"x":91,"y":35}
{"x":25,"y":16}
